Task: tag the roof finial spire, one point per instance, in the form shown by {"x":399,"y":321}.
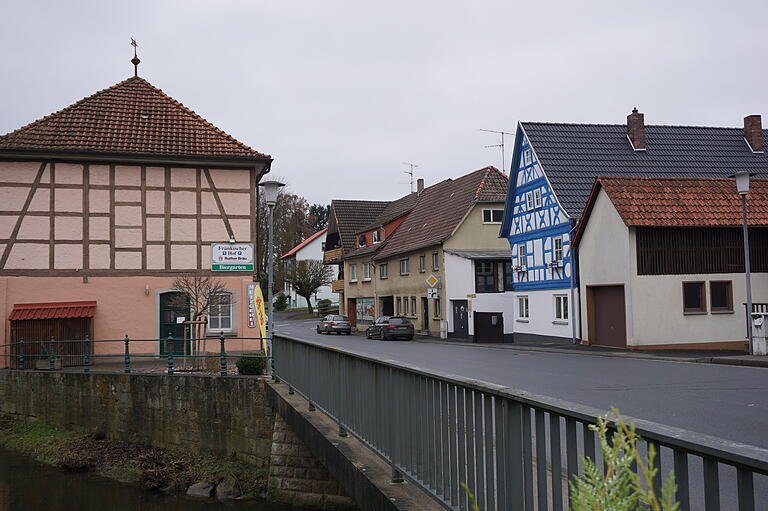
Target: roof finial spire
{"x":135,"y":60}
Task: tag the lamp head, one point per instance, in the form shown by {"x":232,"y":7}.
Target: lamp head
{"x":742,"y":181}
{"x":271,"y":190}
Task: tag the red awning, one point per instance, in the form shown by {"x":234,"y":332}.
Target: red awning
{"x":52,"y":310}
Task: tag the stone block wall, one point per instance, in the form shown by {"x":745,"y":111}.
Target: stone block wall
{"x":296,"y":477}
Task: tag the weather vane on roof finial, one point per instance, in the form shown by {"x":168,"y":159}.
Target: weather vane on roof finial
{"x":135,"y":60}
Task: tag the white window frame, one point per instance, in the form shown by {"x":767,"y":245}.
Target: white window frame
{"x":422,"y":263}
{"x":366,"y":272}
{"x":353,"y":272}
{"x":405,"y":264}
{"x":436,"y":311}
{"x":527,"y":157}
{"x":405,"y":306}
{"x":435,"y":261}
{"x":529,"y":201}
{"x":522,"y":255}
{"x":561,"y":308}
{"x":523,"y":308}
{"x":383,"y":271}
{"x":375,"y":237}
{"x":231,"y":315}
{"x":555,"y":256}
{"x":537,"y":198}
{"x":490,"y":219}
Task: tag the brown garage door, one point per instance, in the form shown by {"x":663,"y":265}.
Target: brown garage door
{"x":607,"y":317}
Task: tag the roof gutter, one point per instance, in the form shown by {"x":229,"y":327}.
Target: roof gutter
{"x":137,"y":158}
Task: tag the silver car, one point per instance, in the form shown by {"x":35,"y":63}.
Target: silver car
{"x":334,"y":324}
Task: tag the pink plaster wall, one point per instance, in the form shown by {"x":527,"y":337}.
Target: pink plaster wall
{"x":68,"y":200}
{"x":19,"y":172}
{"x":127,"y":175}
{"x":122,"y":307}
{"x":183,"y":177}
{"x":227,"y":178}
{"x":69,"y":174}
{"x":68,"y":227}
{"x":12,"y":198}
{"x":155,"y":176}
{"x":98,"y":174}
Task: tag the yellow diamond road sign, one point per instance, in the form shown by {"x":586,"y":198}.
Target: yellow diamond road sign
{"x":432,"y":280}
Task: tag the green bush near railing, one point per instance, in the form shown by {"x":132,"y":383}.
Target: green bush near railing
{"x":250,"y":365}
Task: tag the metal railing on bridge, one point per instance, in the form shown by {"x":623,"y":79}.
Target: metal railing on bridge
{"x":513,"y":450}
{"x":81,"y":354}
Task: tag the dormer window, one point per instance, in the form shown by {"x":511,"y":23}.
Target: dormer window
{"x":361,"y":240}
{"x":375,"y":236}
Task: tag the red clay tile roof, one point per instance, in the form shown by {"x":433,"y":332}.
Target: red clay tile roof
{"x":304,"y":243}
{"x":679,"y":202}
{"x":53,"y":310}
{"x":441,"y":208}
{"x":130,"y":117}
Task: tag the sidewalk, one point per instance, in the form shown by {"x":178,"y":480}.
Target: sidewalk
{"x":697,"y":356}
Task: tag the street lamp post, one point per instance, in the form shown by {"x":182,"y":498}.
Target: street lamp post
{"x":271,"y":190}
{"x":742,"y":186}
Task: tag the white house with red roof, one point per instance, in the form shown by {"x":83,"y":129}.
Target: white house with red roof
{"x":310,"y":248}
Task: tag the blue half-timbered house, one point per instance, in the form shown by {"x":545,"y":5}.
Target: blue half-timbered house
{"x":553,"y":168}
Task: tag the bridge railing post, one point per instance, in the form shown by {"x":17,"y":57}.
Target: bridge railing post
{"x":127,"y":367}
{"x":87,"y":354}
{"x":223,"y":359}
{"x":52,"y":355}
{"x":170,"y":354}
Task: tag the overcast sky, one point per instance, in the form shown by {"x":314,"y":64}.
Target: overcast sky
{"x":340,"y":93}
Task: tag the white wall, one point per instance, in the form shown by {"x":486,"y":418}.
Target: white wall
{"x":541,"y":312}
{"x":460,"y":282}
{"x":313,"y":250}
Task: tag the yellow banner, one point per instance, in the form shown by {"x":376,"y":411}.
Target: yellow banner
{"x":261,"y":316}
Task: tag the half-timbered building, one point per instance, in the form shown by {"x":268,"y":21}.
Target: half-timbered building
{"x":105,"y":202}
{"x":553,"y":168}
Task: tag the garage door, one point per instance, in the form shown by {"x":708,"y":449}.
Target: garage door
{"x":489,"y":327}
{"x":607,"y":317}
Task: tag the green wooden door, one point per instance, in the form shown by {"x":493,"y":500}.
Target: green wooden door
{"x":173,"y":307}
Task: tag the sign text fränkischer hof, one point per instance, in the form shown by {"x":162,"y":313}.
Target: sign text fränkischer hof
{"x":232,"y":257}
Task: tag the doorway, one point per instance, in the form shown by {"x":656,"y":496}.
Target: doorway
{"x":425,"y":314}
{"x":460,"y":318}
{"x":489,"y":327}
{"x":387,"y":306}
{"x":174,"y":309}
{"x":606,"y":316}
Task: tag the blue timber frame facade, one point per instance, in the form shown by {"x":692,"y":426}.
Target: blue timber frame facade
{"x":534,"y":219}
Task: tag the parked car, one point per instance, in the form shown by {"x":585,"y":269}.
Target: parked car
{"x":390,"y":327}
{"x":334,"y":324}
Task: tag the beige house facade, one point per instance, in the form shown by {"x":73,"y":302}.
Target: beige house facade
{"x":107,"y":202}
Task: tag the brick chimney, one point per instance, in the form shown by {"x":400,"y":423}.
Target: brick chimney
{"x":753,"y":132}
{"x":419,"y":186}
{"x":636,"y":130}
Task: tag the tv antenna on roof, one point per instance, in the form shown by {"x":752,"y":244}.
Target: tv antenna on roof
{"x":501,"y":145}
{"x":410,"y":172}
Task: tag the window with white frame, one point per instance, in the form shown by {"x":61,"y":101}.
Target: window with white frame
{"x":422,"y":263}
{"x":375,"y":236}
{"x":353,"y":273}
{"x":557,"y":254}
{"x":529,"y":201}
{"x":561,"y":307}
{"x":413,"y":305}
{"x":404,"y":266}
{"x":220,"y":314}
{"x":522,"y":255}
{"x":436,"y":308}
{"x":435,"y":261}
{"x":537,"y":198}
{"x":492,"y":216}
{"x":527,"y":157}
{"x":405,"y":305}
{"x":383,"y":270}
{"x":367,"y":271}
{"x":522,"y":308}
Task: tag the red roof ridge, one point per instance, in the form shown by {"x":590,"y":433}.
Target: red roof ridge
{"x":10,"y":140}
{"x":48,"y":305}
{"x":304,"y":243}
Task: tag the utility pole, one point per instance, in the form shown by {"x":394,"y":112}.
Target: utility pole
{"x":501,"y":145}
{"x":410,"y":172}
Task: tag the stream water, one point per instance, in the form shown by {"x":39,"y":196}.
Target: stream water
{"x":29,"y":485}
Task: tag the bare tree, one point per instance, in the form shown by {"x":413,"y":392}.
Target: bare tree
{"x":200,"y":293}
{"x":307,"y":276}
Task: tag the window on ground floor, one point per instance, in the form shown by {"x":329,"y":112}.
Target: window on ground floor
{"x":561,"y":307}
{"x":522,"y":307}
{"x":436,"y":308}
{"x":413,"y":305}
{"x":220,"y":314}
{"x":399,"y":306}
{"x":693,"y":297}
{"x":405,"y":306}
{"x":721,"y":296}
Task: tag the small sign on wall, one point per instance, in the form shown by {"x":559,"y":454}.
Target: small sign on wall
{"x":232,"y":257}
{"x":433,"y":293}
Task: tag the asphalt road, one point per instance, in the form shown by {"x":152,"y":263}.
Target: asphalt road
{"x":725,"y":401}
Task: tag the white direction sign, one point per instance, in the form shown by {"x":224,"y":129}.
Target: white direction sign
{"x":432,"y":281}
{"x":433,"y":293}
{"x":232,"y":257}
